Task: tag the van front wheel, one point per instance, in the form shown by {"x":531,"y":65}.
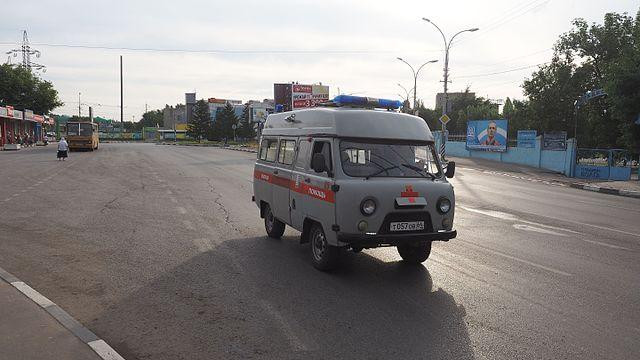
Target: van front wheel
{"x":274,"y":227}
{"x":324,"y":256}
{"x":415,"y":254}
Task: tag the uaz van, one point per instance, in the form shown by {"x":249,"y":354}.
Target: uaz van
{"x":350,"y":177}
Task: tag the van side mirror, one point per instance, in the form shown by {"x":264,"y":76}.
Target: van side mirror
{"x":318,"y":163}
{"x":451,"y":169}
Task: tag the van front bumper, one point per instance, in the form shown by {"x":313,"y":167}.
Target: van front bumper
{"x":371,"y":240}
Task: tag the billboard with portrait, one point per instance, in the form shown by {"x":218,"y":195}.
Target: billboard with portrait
{"x":487,"y":135}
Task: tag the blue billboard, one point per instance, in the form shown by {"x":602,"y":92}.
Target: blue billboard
{"x":527,"y":139}
{"x":487,"y":135}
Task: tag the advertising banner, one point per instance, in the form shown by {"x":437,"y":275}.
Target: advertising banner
{"x":527,"y":139}
{"x":556,"y":141}
{"x":3,"y":111}
{"x":487,"y":135}
{"x":306,"y":96}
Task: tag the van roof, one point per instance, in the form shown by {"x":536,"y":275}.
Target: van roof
{"x":348,"y":122}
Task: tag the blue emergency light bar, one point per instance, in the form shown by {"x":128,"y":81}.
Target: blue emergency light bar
{"x":350,"y":100}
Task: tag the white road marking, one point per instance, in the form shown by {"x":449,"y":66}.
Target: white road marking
{"x":169,"y":192}
{"x":537,"y":229}
{"x":29,"y":292}
{"x":499,"y":253}
{"x":291,"y":335}
{"x":174,"y":200}
{"x":104,"y":350}
{"x":506,"y":216}
{"x":181,"y":210}
{"x":7,"y":199}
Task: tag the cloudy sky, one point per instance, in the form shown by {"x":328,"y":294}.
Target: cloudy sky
{"x":238,"y":49}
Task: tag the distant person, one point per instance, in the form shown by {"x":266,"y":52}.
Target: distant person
{"x":491,"y":135}
{"x":63,"y":149}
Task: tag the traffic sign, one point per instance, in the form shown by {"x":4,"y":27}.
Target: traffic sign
{"x":444,"y":119}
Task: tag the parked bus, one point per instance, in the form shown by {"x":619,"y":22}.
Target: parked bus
{"x":82,"y":135}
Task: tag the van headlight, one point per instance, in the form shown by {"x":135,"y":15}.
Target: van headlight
{"x":368,"y":207}
{"x":443,"y":205}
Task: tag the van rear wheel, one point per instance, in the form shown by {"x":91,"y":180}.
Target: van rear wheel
{"x":274,"y":227}
{"x":324,"y":256}
{"x":415,"y":254}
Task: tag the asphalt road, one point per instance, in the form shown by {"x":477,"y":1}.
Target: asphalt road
{"x":160,"y":251}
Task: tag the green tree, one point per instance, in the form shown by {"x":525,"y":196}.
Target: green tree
{"x":22,"y":89}
{"x":198,"y":126}
{"x":152,"y":118}
{"x":591,"y":56}
{"x":246,"y":129}
{"x":223,"y":125}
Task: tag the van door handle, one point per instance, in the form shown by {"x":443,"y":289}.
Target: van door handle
{"x":307,"y":180}
{"x":275,"y":172}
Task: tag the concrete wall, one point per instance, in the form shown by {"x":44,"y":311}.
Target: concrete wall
{"x":558,"y":161}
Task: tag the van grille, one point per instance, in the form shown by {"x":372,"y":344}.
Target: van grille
{"x":407,"y":216}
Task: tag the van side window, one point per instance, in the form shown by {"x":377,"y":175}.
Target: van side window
{"x":268,"y":149}
{"x":263,"y":149}
{"x":324,"y":148}
{"x":287,"y":151}
{"x":303,"y":154}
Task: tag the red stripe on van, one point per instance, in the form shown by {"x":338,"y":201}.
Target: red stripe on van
{"x":302,"y":188}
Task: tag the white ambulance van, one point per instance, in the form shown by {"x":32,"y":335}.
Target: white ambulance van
{"x":354,"y":174}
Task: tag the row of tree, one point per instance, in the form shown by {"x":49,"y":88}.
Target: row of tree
{"x":224,"y":125}
{"x":589,"y":57}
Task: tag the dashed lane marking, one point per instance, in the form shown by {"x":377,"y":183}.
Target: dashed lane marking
{"x":104,"y":350}
{"x":291,"y":335}
{"x":507,"y":256}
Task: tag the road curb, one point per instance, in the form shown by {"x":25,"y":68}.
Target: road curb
{"x":99,"y":346}
{"x":605,"y":190}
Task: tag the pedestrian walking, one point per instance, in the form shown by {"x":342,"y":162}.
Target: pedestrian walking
{"x":63,"y":149}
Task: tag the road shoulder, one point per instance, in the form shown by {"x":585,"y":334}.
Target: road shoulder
{"x":33,"y":327}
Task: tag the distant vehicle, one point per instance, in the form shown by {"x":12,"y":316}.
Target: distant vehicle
{"x":82,"y":135}
{"x":351,"y":177}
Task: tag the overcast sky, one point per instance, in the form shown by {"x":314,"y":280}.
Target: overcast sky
{"x":238,"y":49}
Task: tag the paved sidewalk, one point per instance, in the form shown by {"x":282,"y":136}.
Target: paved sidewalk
{"x":32,"y":327}
{"x":629,"y":188}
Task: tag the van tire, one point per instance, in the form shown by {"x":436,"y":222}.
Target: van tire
{"x":324,"y":256}
{"x":273,"y":226}
{"x":415,"y":254}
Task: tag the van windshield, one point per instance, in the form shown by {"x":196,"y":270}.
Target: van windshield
{"x":364,"y":159}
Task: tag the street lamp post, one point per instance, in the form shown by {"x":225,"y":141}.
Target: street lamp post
{"x":79,"y":104}
{"x":415,"y":78}
{"x":447,"y":45}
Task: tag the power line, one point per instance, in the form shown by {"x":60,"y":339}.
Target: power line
{"x":500,"y":72}
{"x":215,"y":51}
{"x":510,"y":15}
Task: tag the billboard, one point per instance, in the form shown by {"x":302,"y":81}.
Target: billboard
{"x":527,"y":139}
{"x":306,"y":96}
{"x":556,"y":141}
{"x":487,"y":135}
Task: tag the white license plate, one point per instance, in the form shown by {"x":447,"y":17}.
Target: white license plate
{"x":407,"y":226}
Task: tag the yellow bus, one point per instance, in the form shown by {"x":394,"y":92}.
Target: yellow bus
{"x":82,"y":135}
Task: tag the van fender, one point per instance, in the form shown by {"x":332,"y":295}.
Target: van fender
{"x":332,"y":237}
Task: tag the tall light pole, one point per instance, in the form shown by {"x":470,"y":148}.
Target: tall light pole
{"x":415,"y":78}
{"x":79,"y":103}
{"x":447,"y":45}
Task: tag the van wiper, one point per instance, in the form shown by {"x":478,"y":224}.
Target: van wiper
{"x":419,"y":171}
{"x":381,"y":171}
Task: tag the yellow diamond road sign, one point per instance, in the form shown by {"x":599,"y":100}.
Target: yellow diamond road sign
{"x":444,"y":119}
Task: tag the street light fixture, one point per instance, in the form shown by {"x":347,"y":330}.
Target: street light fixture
{"x":415,"y":78}
{"x":447,"y":45}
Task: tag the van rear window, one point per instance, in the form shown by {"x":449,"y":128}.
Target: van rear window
{"x":287,"y":152}
{"x":272,"y":151}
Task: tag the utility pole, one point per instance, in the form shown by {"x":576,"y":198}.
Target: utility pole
{"x":79,"y":111}
{"x":121,"y":108}
{"x":445,"y":103}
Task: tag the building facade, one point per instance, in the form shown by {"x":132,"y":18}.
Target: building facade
{"x":452,"y":97}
